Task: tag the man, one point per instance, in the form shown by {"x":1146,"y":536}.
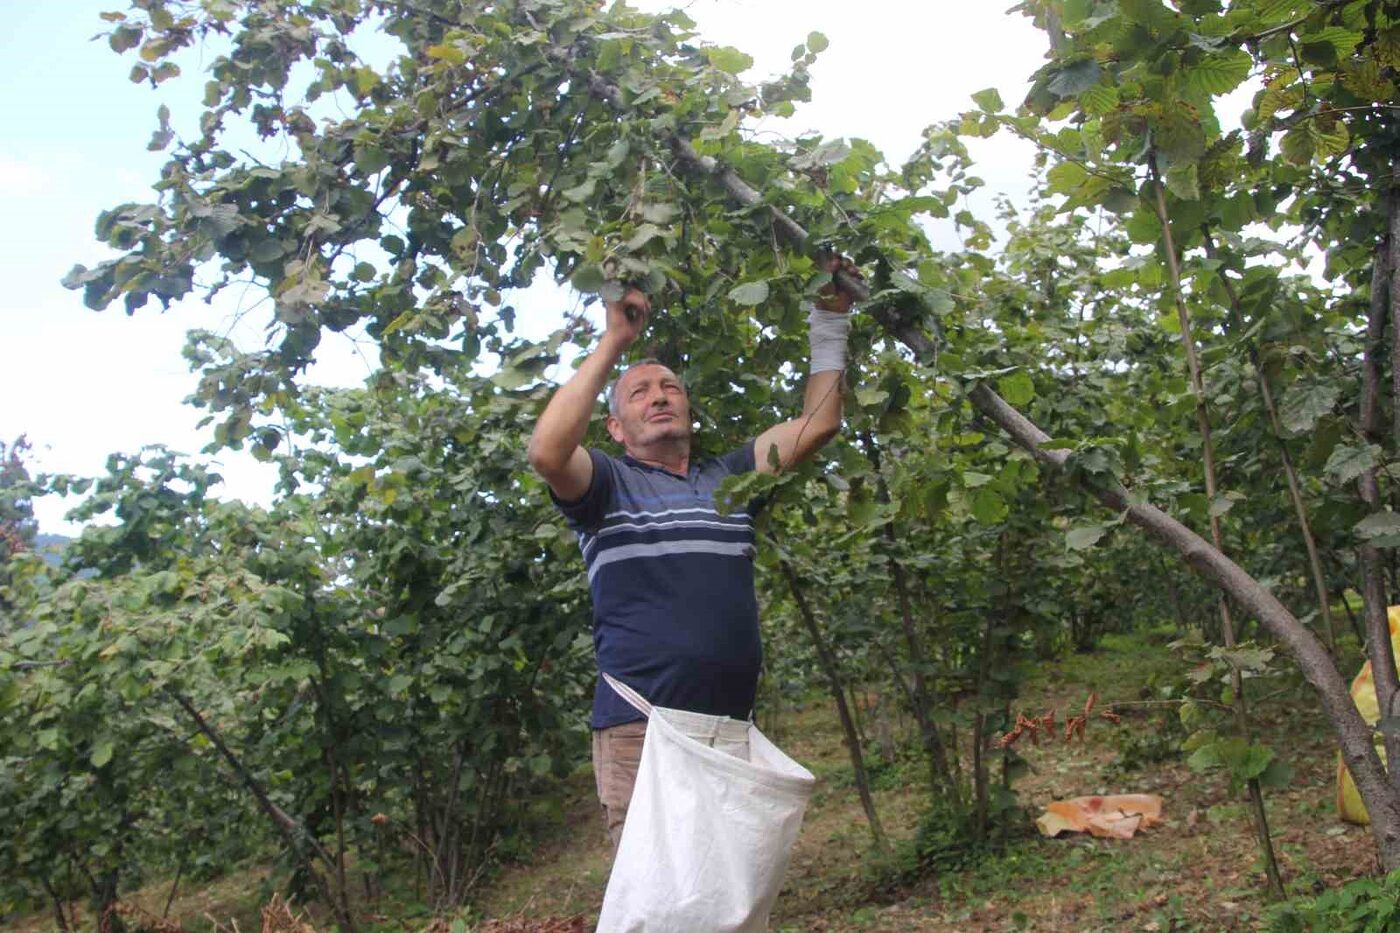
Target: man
{"x":674,"y":611}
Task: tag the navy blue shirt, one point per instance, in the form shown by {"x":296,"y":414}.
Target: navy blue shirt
{"x":674,"y":612}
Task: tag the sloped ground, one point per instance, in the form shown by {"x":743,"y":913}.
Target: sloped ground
{"x":1199,"y":870}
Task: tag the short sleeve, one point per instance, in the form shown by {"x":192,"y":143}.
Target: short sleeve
{"x":588,"y":510}
{"x":739,"y":461}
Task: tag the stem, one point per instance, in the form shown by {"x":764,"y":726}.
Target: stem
{"x":838,"y":693}
{"x":1227,"y":628}
{"x":58,"y":914}
{"x":292,"y":832}
{"x":174,"y":886}
{"x":981,"y":771}
{"x":940,"y":777}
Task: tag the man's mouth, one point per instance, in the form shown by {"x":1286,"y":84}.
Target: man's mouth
{"x":669,"y":415}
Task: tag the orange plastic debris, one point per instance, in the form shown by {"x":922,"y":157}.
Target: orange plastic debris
{"x":1115,"y":817}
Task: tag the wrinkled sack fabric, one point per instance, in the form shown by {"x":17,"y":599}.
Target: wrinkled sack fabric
{"x":708,"y":835}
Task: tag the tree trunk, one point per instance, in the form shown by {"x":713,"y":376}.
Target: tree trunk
{"x":1227,"y":627}
{"x":174,"y":886}
{"x":1373,"y":594}
{"x":296,"y":836}
{"x":1356,"y":628}
{"x":58,"y":915}
{"x":940,"y":776}
{"x":838,"y":693}
{"x":981,"y":768}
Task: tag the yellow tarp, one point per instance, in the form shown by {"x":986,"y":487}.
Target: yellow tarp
{"x":1363,"y":694}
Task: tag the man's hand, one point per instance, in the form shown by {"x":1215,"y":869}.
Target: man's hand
{"x":833,"y":297}
{"x":627,"y":317}
{"x":555,"y":450}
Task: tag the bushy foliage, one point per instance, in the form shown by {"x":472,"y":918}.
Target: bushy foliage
{"x":1366,"y":905}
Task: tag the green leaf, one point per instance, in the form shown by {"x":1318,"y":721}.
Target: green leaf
{"x":1204,"y":758}
{"x":1222,"y":504}
{"x":1348,"y":462}
{"x":588,"y":278}
{"x":1297,"y":146}
{"x":989,"y":101}
{"x":1343,"y":41}
{"x":1218,"y":74}
{"x":124,"y":38}
{"x":1253,"y":659}
{"x":988,"y":507}
{"x":1387,"y":47}
{"x":1270,"y":12}
{"x":1304,"y":403}
{"x":1099,"y":100}
{"x":451,"y":54}
{"x":1017,"y":388}
{"x":1330,"y":138}
{"x":1256,"y":758}
{"x":871,"y":396}
{"x":1075,"y":78}
{"x":101,"y":752}
{"x":582,"y":191}
{"x":1066,"y":177}
{"x":1184,"y":181}
{"x":728,"y":59}
{"x":644,"y":235}
{"x":1277,"y":774}
{"x":749,"y":294}
{"x":1081,"y":539}
{"x":1378,"y":524}
{"x":817,"y":42}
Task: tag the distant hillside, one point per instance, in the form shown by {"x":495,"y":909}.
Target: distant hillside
{"x":51,"y":546}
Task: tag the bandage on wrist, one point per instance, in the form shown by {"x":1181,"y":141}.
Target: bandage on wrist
{"x":827,"y":331}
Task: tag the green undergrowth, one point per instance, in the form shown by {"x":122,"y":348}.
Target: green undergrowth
{"x":1199,"y":871}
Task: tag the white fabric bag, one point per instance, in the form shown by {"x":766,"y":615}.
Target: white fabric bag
{"x":708,"y":835}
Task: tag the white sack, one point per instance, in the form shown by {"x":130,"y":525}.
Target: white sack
{"x":707,"y":837}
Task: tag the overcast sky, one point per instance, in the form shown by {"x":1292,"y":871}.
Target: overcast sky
{"x":82,"y":384}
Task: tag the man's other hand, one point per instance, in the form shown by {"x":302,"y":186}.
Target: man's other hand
{"x":627,"y":317}
{"x":833,"y":297}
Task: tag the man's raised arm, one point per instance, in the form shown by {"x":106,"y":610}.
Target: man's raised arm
{"x":555,"y":450}
{"x":788,"y":444}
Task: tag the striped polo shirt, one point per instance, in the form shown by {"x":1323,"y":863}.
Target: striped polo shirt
{"x":674,"y":611}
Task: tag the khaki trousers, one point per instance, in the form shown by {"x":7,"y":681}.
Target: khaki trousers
{"x":617,"y":753}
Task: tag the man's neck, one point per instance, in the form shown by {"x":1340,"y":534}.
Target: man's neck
{"x":673,"y":456}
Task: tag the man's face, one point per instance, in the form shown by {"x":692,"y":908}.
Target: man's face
{"x":651,"y":406}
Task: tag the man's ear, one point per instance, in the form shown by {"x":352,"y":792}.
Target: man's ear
{"x":614,"y":428}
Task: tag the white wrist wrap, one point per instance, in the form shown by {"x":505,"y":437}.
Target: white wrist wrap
{"x":827,"y":331}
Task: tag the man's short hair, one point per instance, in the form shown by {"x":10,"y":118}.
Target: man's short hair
{"x":612,"y":389}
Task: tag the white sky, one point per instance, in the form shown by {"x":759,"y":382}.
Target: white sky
{"x":82,"y":384}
